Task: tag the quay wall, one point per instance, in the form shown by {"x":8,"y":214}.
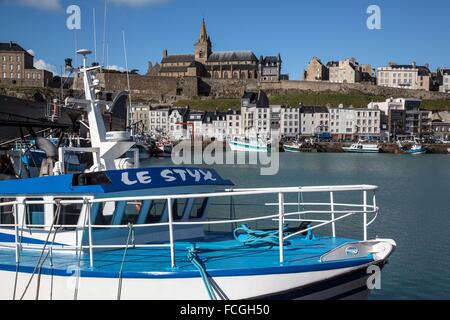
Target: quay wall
{"x":167,"y":89}
{"x":289,"y":86}
{"x":147,"y":88}
{"x":332,"y":147}
{"x":336,"y":147}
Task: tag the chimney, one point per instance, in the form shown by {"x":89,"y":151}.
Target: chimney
{"x":165,"y":54}
{"x":414,"y":64}
{"x":10,"y":44}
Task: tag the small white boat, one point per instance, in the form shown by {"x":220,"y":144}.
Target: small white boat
{"x":292,"y":147}
{"x":249,"y":145}
{"x":362,"y":148}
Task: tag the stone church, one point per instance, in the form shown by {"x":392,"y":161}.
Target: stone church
{"x":219,"y":65}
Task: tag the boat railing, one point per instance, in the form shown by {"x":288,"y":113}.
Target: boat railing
{"x":282,"y":216}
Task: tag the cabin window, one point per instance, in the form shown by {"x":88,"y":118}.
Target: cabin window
{"x":132,"y":210}
{"x":156,"y":211}
{"x":6,"y":212}
{"x":105,"y":214}
{"x":178,"y":206}
{"x":198,"y":208}
{"x":34,"y":214}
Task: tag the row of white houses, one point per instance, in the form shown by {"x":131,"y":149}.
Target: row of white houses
{"x":256,"y":115}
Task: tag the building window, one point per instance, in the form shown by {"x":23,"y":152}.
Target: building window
{"x":4,"y":75}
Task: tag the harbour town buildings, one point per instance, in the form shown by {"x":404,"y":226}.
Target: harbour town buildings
{"x":17,"y":68}
{"x":409,"y":76}
{"x":343,"y":71}
{"x":387,"y":120}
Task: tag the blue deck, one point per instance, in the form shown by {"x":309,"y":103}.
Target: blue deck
{"x":221,"y":258}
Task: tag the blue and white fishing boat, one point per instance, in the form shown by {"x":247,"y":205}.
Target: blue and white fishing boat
{"x":140,"y":234}
{"x":416,"y":149}
{"x":145,"y":234}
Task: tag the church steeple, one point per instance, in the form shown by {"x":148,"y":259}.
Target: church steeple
{"x":203,"y":47}
{"x":203,"y":33}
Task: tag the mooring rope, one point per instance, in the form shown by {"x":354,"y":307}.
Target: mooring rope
{"x":16,"y":277}
{"x":49,"y":252}
{"x":40,"y":257}
{"x":130,"y":236}
{"x":83,"y":230}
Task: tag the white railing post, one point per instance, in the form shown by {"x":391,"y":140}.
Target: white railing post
{"x":365,"y":216}
{"x":61,"y":159}
{"x":91,"y":250}
{"x":172,"y":245}
{"x":333,"y":224}
{"x":281,"y":225}
{"x":16,"y":227}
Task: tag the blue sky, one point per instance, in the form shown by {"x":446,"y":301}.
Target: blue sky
{"x":412,"y":30}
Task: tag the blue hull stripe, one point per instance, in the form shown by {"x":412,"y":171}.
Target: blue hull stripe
{"x":9,"y":238}
{"x":193,"y":274}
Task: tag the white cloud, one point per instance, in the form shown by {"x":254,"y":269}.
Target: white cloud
{"x":42,"y":65}
{"x":115,"y":68}
{"x":41,"y":4}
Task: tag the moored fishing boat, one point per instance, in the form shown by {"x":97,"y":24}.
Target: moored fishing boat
{"x":249,"y":145}
{"x":416,"y":149}
{"x":145,"y":234}
{"x":141,"y":234}
{"x":361,"y":147}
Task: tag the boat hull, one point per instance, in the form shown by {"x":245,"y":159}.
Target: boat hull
{"x":350,"y":283}
{"x":245,"y":147}
{"x":291,"y":149}
{"x":349,"y":150}
{"x":346,"y":282}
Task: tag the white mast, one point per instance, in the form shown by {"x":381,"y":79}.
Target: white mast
{"x":109,"y":150}
{"x":95,"y":35}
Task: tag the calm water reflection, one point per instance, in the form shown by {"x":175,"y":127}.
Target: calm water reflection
{"x":415,"y":209}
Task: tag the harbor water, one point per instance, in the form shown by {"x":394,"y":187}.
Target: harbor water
{"x":414,"y":201}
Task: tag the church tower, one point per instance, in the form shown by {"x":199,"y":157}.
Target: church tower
{"x":203,"y":47}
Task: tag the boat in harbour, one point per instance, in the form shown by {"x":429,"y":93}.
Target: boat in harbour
{"x":142,"y":234}
{"x":416,"y":149}
{"x":296,"y":147}
{"x":249,"y":144}
{"x":361,"y":147}
{"x":147,"y":233}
